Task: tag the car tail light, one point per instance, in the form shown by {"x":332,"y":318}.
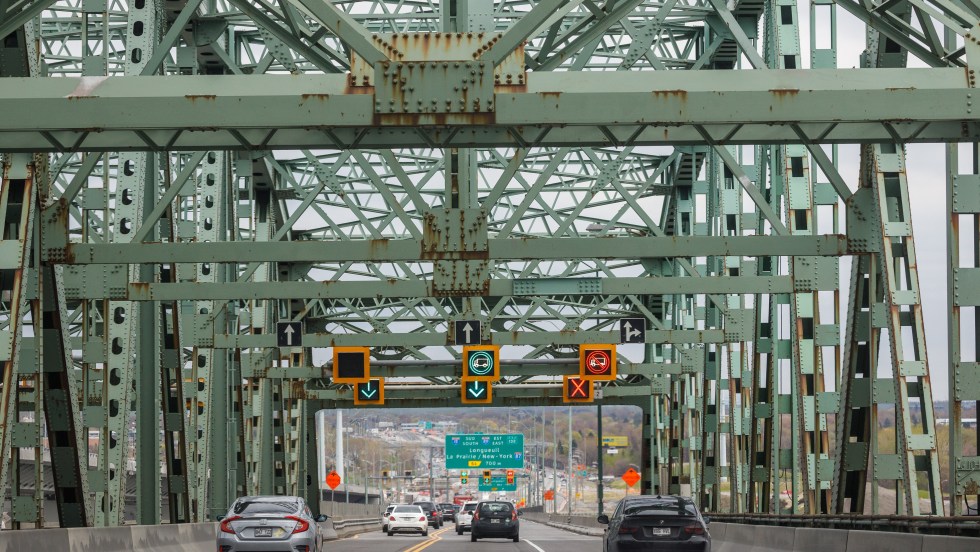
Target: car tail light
{"x":476,"y":516}
{"x":513,"y":515}
{"x":301,"y":524}
{"x":391,"y":518}
{"x":420,"y":519}
{"x":628,"y":530}
{"x":694,"y":529}
{"x":225,"y":524}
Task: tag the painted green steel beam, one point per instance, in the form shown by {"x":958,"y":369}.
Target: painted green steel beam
{"x":443,"y":396}
{"x":453,"y":368}
{"x":142,"y":291}
{"x":386,"y":250}
{"x":419,"y":339}
{"x":671,"y":107}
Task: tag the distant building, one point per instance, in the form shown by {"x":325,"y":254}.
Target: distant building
{"x":965,"y":422}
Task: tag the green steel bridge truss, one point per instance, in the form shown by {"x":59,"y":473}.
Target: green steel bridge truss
{"x":179,"y":175}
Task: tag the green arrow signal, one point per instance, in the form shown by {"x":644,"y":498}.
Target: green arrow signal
{"x":476,"y":390}
{"x":366,"y":388}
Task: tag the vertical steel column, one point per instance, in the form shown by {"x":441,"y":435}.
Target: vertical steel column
{"x":62,"y":412}
{"x":213,"y":182}
{"x":963,"y":293}
{"x":963,"y":302}
{"x":210,"y":455}
{"x":858,"y":413}
{"x":21,"y":380}
{"x":916,"y":441}
{"x":261,"y":414}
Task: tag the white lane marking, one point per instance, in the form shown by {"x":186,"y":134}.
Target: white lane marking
{"x":536,"y":547}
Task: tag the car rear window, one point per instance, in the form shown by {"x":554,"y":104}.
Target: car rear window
{"x":264,"y":507}
{"x":407,"y":509}
{"x":494,"y":507}
{"x":469,"y":507}
{"x":661,"y":508}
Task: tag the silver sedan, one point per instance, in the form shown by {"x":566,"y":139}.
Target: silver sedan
{"x":270,"y":523}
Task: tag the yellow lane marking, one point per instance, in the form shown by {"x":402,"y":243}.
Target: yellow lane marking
{"x":433,"y":538}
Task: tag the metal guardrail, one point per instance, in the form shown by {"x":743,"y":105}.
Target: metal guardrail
{"x":345,"y":523}
{"x":964,"y":526}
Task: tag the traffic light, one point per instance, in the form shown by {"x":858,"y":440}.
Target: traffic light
{"x":597,"y":362}
{"x":575,"y":390}
{"x":464,"y":477}
{"x":351,"y":364}
{"x":486,"y":477}
{"x":370,"y":392}
{"x":510,"y":477}
{"x":481,"y":363}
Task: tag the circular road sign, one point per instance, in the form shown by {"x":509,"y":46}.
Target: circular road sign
{"x":481,"y":363}
{"x":598,"y":362}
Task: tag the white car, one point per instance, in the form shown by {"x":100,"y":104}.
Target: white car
{"x":464,"y":518}
{"x":407,"y":518}
{"x":384,"y":517}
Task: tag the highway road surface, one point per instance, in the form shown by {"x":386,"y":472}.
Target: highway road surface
{"x":534,"y":538}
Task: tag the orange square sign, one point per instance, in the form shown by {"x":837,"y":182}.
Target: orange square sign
{"x":631,"y":477}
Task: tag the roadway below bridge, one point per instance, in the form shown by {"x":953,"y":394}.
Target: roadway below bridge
{"x":535,"y":537}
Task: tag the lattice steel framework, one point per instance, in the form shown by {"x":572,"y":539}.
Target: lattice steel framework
{"x":180,"y":175}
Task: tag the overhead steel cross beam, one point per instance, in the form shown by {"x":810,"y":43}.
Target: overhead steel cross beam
{"x":669,"y":107}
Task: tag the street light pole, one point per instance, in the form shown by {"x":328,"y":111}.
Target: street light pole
{"x":599,"y":461}
{"x":568,"y":467}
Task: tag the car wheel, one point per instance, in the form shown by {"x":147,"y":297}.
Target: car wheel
{"x":517,"y":538}
{"x":459,"y":531}
{"x":426,"y":532}
{"x":473,"y":537}
{"x":391,"y":533}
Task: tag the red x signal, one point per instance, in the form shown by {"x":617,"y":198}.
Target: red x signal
{"x":577,"y":389}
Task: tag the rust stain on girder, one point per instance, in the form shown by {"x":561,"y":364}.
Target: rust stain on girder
{"x":434,"y":119}
{"x":321,"y":97}
{"x":679,"y":94}
{"x":195,"y":97}
{"x":783,"y":93}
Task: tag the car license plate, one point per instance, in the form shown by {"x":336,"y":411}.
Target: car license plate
{"x":660,"y":531}
{"x":494,"y":521}
{"x":263,"y":532}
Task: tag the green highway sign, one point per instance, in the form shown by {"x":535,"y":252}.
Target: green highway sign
{"x":484,"y":451}
{"x":498,"y":483}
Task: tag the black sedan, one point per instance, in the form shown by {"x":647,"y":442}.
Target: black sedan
{"x":661,"y":523}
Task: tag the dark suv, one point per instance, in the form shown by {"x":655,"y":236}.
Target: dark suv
{"x":432,"y":512}
{"x":495,"y":519}
{"x":448,"y":512}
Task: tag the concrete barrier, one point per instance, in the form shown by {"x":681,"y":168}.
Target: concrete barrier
{"x":737,"y":537}
{"x":937,"y":543}
{"x":809,"y":539}
{"x":879,"y":541}
{"x":189,"y":537}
